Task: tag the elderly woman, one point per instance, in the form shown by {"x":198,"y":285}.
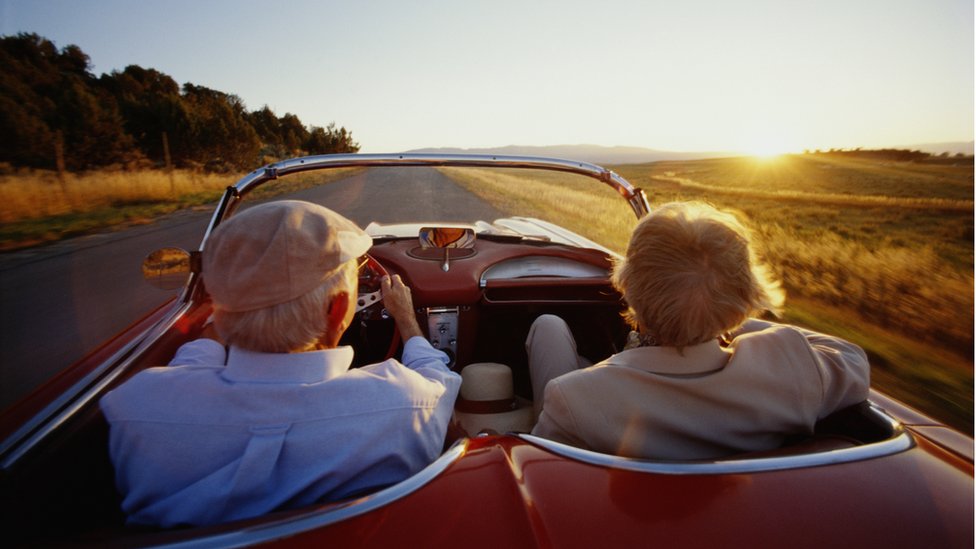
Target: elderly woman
{"x":699,"y":379}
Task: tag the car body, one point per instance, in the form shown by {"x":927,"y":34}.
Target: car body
{"x":876,"y":475}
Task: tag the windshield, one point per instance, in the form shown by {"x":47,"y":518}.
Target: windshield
{"x":393,"y":201}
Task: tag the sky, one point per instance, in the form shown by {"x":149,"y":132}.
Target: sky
{"x":753,"y":76}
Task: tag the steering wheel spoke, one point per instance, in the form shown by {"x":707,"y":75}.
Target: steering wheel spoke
{"x":369,"y":302}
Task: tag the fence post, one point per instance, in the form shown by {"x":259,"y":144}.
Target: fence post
{"x":59,"y":162}
{"x":169,"y":165}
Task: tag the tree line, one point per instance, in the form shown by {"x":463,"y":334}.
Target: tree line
{"x":893,"y":155}
{"x":56,"y":114}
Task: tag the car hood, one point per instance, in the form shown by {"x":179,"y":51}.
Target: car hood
{"x":522,"y":228}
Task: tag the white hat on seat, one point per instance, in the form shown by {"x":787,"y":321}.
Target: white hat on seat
{"x":488,"y":401}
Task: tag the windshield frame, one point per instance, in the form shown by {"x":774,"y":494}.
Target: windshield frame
{"x":234,"y":195}
{"x":634,"y":196}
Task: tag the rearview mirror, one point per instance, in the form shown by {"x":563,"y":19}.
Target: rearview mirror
{"x":447,"y":237}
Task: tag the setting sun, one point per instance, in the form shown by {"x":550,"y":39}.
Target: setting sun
{"x":766,"y":149}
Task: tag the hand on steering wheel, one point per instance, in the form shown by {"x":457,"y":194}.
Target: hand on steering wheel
{"x":370,"y":295}
{"x":399,"y":303}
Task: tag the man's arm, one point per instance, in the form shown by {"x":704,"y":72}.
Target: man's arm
{"x":418,"y":353}
{"x":845,"y":373}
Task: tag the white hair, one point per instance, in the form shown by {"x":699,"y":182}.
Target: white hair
{"x":291,"y":326}
{"x":691,"y":274}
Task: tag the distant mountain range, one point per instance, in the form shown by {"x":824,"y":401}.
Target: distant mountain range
{"x":587,"y":153}
{"x":951,"y":147}
{"x":635,"y":155}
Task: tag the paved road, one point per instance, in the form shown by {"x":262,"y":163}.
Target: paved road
{"x":59,"y":301}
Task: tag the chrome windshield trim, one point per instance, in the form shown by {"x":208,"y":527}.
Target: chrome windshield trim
{"x":320,"y":518}
{"x":900,"y":441}
{"x":634,"y":196}
{"x":81,"y":393}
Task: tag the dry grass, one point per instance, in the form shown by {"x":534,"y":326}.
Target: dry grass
{"x":37,"y":207}
{"x":40,"y":194}
{"x":572,"y":201}
{"x":832,"y":199}
{"x":825,"y":175}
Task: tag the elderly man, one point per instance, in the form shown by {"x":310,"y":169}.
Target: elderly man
{"x":699,"y":379}
{"x":278,"y":420}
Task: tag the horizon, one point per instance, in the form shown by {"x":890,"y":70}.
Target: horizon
{"x":757,"y":78}
{"x":933,"y":148}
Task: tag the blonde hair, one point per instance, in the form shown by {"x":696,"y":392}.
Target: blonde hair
{"x":691,"y":275}
{"x":291,"y":326}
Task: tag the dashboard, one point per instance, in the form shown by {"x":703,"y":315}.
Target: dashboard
{"x":479,"y":308}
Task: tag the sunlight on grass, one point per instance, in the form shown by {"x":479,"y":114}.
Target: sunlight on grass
{"x":568,"y":200}
{"x":37,"y":207}
{"x":41,"y":194}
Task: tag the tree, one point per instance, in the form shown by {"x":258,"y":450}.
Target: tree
{"x":268,"y":128}
{"x":46,"y":92}
{"x":150,"y":104}
{"x":329,"y":140}
{"x":92,"y":126}
{"x":293,"y":134}
{"x":50,"y":100}
{"x":220,"y":135}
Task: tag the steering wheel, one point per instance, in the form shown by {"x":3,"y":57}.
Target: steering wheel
{"x":369,"y":300}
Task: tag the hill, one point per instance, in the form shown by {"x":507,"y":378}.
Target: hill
{"x":951,"y":147}
{"x":599,"y":154}
{"x":589,"y":153}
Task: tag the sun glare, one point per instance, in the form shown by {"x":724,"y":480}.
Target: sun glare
{"x":766,"y":150}
{"x":766,"y":154}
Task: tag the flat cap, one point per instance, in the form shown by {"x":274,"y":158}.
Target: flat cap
{"x":276,"y":252}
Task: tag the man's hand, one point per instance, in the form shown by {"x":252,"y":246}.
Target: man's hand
{"x":397,"y":300}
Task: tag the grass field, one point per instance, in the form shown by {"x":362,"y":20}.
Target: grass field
{"x":38,"y":207}
{"x":877,"y":252}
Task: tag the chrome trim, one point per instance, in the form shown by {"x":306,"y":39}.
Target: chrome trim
{"x":319,"y":518}
{"x":900,"y":441}
{"x":554,"y":232}
{"x":81,"y":393}
{"x":540,"y":265}
{"x":634,"y":196}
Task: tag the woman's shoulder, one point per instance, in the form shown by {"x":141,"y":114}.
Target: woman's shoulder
{"x":614,"y":366}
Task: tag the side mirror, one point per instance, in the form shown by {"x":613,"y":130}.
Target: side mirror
{"x":167,"y":268}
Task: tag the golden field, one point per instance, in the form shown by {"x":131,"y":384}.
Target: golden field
{"x":37,"y":206}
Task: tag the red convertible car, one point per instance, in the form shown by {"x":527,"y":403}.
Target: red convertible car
{"x":527,"y":236}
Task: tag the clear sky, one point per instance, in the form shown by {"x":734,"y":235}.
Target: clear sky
{"x":689,"y":75}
